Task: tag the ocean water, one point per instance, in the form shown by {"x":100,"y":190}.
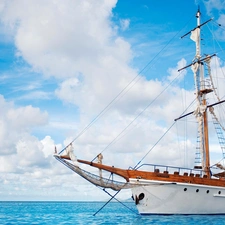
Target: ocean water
{"x":83,"y":213}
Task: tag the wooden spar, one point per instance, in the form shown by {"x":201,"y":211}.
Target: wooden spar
{"x":200,"y":60}
{"x":196,"y":27}
{"x":193,"y":111}
{"x":121,"y":172}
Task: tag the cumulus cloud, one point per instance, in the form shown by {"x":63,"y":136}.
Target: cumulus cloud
{"x":17,"y":121}
{"x":124,"y":24}
{"x":60,"y":38}
{"x":174,"y":72}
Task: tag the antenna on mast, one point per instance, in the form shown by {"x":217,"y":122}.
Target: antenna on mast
{"x":198,"y":13}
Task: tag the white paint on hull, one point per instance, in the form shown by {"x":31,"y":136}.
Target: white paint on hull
{"x":178,"y":198}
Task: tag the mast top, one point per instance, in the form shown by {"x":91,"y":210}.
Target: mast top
{"x":198,"y":12}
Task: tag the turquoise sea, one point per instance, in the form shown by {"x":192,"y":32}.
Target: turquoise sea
{"x":83,"y":213}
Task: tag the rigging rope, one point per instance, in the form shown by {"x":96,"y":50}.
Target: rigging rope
{"x":115,"y":98}
{"x":113,"y":196}
{"x":154,"y":145}
{"x":119,"y":202}
{"x":115,"y":139}
{"x":211,"y":110}
{"x":104,"y":110}
{"x":162,"y":137}
{"x":210,"y":76}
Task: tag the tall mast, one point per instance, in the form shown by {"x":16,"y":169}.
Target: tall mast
{"x":198,"y":50}
{"x":201,"y":111}
{"x":201,"y":91}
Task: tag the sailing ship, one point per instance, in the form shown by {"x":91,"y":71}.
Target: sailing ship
{"x":165,"y":189}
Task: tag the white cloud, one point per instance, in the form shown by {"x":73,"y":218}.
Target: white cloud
{"x":49,"y":146}
{"x":60,"y":38}
{"x":16,"y":122}
{"x":124,"y":23}
{"x":174,"y":72}
{"x":23,"y":117}
{"x":33,"y":95}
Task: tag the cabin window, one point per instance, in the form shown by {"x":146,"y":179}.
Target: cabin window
{"x":219,"y":192}
{"x":197,"y":190}
{"x":185,"y":189}
{"x":207,"y":191}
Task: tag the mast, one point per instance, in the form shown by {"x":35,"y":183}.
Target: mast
{"x":201,"y":91}
{"x":200,"y":113}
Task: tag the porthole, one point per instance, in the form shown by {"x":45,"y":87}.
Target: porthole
{"x":207,"y":191}
{"x":185,"y":189}
{"x":219,"y":192}
{"x":141,"y":196}
{"x":197,"y":190}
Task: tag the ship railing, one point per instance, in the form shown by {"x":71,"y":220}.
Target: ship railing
{"x":171,"y":170}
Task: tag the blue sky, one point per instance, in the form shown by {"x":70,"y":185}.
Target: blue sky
{"x":62,"y":62}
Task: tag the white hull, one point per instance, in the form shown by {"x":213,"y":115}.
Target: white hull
{"x":178,"y":198}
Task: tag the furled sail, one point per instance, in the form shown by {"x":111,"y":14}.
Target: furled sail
{"x":195,"y":35}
